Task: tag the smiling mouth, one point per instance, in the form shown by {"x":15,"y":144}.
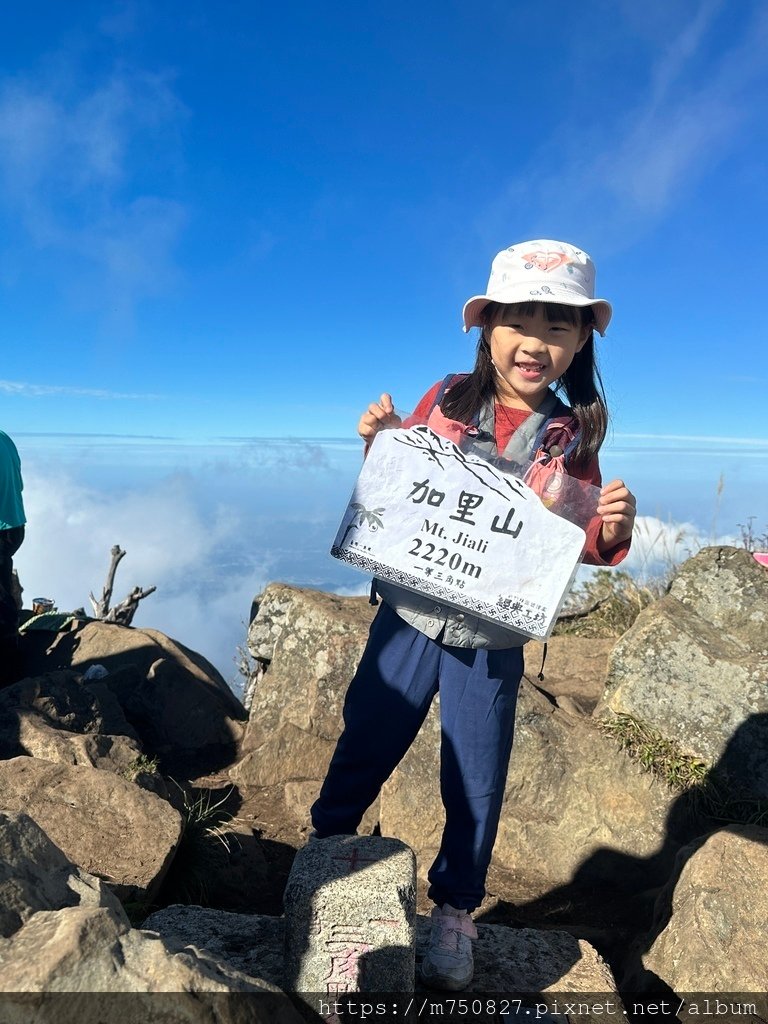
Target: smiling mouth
{"x":530,"y":369}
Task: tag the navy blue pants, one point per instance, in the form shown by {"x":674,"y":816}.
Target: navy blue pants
{"x":399,"y":674}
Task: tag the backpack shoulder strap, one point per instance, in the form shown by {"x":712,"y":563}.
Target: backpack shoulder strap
{"x":560,"y":421}
{"x":447,"y":381}
{"x":526,"y":440}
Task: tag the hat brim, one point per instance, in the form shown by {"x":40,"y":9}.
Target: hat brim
{"x":474,"y":307}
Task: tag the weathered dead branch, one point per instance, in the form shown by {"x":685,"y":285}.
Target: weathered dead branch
{"x":122,"y":613}
{"x":581,"y":613}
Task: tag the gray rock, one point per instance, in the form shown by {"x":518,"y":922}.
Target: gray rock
{"x":575,"y":806}
{"x":312,"y":642}
{"x":58,"y":717}
{"x":709,"y":932}
{"x":250,"y":943}
{"x":574,"y":670}
{"x":102,"y":822}
{"x":35,"y":875}
{"x":349,"y":916}
{"x":93,"y":951}
{"x":177,"y":702}
{"x":694,"y":667}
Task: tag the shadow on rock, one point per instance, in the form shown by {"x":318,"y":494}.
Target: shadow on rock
{"x":722,"y":805}
{"x":178,"y":704}
{"x":222,"y":861}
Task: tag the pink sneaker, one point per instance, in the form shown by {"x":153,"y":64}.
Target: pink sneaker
{"x":448,"y":962}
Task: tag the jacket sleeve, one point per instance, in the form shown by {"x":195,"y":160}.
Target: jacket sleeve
{"x":613,"y":556}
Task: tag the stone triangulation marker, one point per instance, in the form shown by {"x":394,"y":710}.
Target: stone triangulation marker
{"x":350,"y":911}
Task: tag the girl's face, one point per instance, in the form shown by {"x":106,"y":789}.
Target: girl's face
{"x":530,"y":351}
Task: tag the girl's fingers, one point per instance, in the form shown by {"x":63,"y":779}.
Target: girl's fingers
{"x":616,"y":488}
{"x":382,"y":409}
{"x":379,"y":415}
{"x":616,"y":506}
{"x":617,"y":509}
{"x":615,"y":498}
{"x":369,"y":425}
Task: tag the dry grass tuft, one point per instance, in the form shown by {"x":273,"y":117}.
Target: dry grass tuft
{"x":655,"y":754}
{"x":712,"y":796}
{"x":607,"y":604}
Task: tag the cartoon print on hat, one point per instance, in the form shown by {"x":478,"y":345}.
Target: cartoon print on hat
{"x":543,"y":270}
{"x":546,"y":260}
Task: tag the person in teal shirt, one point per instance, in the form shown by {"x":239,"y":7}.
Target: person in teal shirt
{"x":12,"y":520}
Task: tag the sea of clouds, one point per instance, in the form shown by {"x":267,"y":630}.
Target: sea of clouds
{"x":211,"y":524}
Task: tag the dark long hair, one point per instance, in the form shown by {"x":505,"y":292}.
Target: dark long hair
{"x":581,"y":383}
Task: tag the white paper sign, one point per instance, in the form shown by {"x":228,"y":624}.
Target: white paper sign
{"x":431,"y":518}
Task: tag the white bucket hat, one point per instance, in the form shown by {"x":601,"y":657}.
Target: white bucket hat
{"x":540,"y":271}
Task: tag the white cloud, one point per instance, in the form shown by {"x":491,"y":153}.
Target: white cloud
{"x":159,"y":528}
{"x":688,"y":122}
{"x":170,"y":541}
{"x":682,"y":48}
{"x":627,"y":169}
{"x":67,"y":157}
{"x":659,"y":546}
{"x":209,"y":536}
{"x":29,"y":390}
{"x":357,"y":590}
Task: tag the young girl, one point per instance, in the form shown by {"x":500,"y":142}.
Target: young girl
{"x":536,"y":325}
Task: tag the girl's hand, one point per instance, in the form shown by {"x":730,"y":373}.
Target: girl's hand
{"x":617,"y":508}
{"x":380,"y":416}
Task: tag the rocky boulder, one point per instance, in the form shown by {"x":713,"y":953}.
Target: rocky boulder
{"x":506,"y":960}
{"x":709,"y":930}
{"x":177,"y":703}
{"x":60,"y":717}
{"x":103,"y":823}
{"x":250,"y":943}
{"x":35,"y":875}
{"x":311,"y":643}
{"x":96,"y":951}
{"x":694,"y":666}
{"x":574,"y":670}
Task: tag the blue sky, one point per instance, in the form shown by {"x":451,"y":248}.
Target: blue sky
{"x":226,"y":222}
{"x":235,"y":219}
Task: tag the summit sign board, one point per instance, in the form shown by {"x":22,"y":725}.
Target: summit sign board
{"x":431,"y":518}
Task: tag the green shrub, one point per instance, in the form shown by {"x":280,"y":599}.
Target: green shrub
{"x":139,"y":765}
